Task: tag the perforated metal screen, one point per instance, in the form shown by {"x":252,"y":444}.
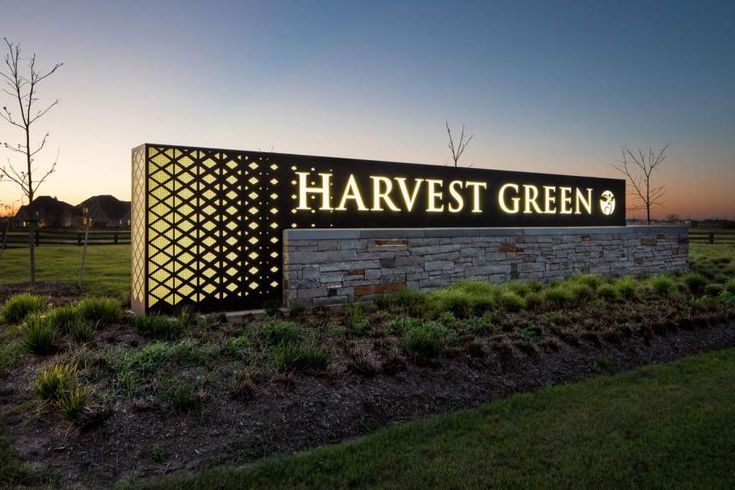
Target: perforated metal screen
{"x":205,"y":229}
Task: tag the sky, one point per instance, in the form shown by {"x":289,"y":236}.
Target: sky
{"x":543,"y":86}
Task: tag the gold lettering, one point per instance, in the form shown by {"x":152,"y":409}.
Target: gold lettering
{"x":566,"y":200}
{"x":433,"y":195}
{"x":514,"y":200}
{"x":456,"y":195}
{"x":305,"y":190}
{"x":352,"y":192}
{"x":530,"y":195}
{"x":409,"y":200}
{"x":476,"y":186}
{"x":382,"y":195}
{"x":581,"y":201}
{"x":549,"y":199}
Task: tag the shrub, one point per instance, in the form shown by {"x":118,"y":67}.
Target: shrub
{"x":626,"y":287}
{"x":54,"y":380}
{"x":663,"y":286}
{"x":158,"y":326}
{"x":519,"y":288}
{"x":454,"y":300}
{"x":713,"y":289}
{"x":730,"y":286}
{"x":581,"y":291}
{"x":427,"y":340}
{"x":279,"y":332}
{"x":99,"y":311}
{"x":479,"y":325}
{"x":476,"y":288}
{"x":608,"y":292}
{"x":447,"y":319}
{"x":358,"y":324}
{"x":400,"y":326}
{"x":38,"y":334}
{"x":534,"y":300}
{"x":181,"y":395}
{"x":18,"y":307}
{"x":530,"y":334}
{"x":64,"y":317}
{"x":557,"y":296}
{"x":291,"y":356}
{"x":73,"y":401}
{"x":593,"y":281}
{"x":510,"y":301}
{"x":410,"y":301}
{"x":695,"y":282}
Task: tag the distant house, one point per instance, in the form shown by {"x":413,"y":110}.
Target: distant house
{"x":50,"y":213}
{"x":106,"y":211}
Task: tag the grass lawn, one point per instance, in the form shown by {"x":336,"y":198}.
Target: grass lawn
{"x":661,"y":426}
{"x":107,"y":267}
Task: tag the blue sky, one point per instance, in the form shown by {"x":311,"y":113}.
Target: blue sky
{"x":543,"y":86}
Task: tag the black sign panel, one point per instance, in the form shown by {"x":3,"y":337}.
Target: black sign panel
{"x":373,"y":194}
{"x":207,"y":224}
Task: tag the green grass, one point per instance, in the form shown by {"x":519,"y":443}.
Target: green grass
{"x":660,"y":426}
{"x":107,"y":267}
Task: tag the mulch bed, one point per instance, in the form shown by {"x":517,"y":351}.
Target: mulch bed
{"x":296,"y":411}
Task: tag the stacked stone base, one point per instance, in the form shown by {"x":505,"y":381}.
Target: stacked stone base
{"x":325,"y":266}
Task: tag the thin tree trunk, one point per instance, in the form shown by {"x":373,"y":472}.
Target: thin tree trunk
{"x":32,"y":248}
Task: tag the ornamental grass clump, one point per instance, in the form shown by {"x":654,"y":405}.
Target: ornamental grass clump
{"x":695,"y":282}
{"x":64,"y":318}
{"x":159,"y":327}
{"x":510,"y":301}
{"x":297,"y":356}
{"x":279,"y":332}
{"x":59,"y":385}
{"x":557,"y":296}
{"x":626,"y":287}
{"x":425,"y":340}
{"x":54,"y":380}
{"x":38,"y":334}
{"x":608,"y":292}
{"x":663,"y":286}
{"x":99,"y":311}
{"x":18,"y":307}
{"x":453,"y":300}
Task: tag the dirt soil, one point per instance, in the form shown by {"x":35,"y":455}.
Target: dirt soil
{"x":294,"y":412}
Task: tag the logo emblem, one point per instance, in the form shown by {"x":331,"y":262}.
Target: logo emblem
{"x":607,"y":203}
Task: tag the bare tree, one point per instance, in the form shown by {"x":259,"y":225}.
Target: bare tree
{"x":23,"y":89}
{"x":638,"y":167}
{"x":460,"y":147}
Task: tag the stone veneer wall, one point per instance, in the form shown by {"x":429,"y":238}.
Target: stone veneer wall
{"x":328,"y":266}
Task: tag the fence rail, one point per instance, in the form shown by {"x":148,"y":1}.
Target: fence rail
{"x":20,"y":238}
{"x":15,"y":239}
{"x":712,"y":236}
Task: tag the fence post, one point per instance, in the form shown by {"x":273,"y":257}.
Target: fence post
{"x":115,"y":238}
{"x":711,"y":237}
{"x":38,"y":237}
{"x":79,"y":238}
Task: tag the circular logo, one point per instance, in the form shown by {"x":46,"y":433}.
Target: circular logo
{"x":607,"y":203}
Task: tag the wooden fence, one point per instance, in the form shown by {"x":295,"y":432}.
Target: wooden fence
{"x":723,"y":236}
{"x":16,"y":239}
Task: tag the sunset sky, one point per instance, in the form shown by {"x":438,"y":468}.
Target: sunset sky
{"x":543,"y":86}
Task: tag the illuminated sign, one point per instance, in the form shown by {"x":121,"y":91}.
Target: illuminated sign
{"x":207,"y":224}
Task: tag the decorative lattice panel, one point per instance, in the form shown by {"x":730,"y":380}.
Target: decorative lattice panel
{"x":137,"y":229}
{"x":212,"y":237}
